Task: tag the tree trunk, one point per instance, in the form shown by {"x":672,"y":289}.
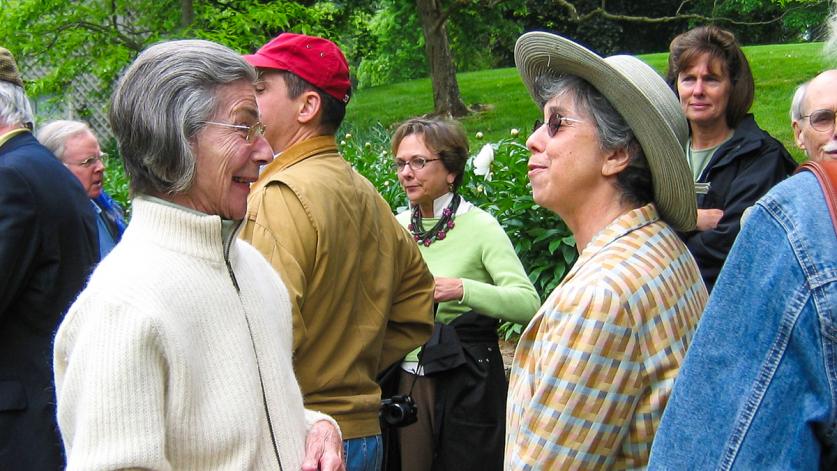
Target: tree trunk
{"x":446,"y":98}
{"x":187,"y":13}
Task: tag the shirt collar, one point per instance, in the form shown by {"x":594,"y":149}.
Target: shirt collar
{"x":300,"y":151}
{"x":9,"y":135}
{"x":622,"y":225}
{"x":442,"y":202}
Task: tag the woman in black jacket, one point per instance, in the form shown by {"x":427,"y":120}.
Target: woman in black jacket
{"x":733,"y":161}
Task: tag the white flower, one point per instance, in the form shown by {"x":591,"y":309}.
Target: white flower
{"x":348,"y":135}
{"x":479,"y":134}
{"x":342,"y":143}
{"x":482,"y":162}
{"x":515,"y":132}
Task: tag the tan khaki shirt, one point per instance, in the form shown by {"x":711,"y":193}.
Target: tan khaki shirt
{"x":361,"y":294}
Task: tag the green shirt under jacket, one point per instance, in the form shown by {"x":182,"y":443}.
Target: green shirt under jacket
{"x":478,"y":251}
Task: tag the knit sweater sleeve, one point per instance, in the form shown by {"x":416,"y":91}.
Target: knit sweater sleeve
{"x":512,"y":296}
{"x":110,"y":375}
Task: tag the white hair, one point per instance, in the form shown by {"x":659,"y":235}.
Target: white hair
{"x":796,"y":104}
{"x":831,"y":42}
{"x":15,"y":109}
{"x":54,"y":135}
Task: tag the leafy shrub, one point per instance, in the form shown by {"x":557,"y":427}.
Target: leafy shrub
{"x":542,"y":241}
{"x":116,"y":182}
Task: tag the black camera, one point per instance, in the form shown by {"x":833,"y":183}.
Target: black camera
{"x":398,"y":411}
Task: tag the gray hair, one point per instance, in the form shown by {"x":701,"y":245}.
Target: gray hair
{"x":612,"y":130}
{"x":796,"y":103}
{"x":54,"y":134}
{"x":15,"y":109}
{"x":161,"y":103}
{"x":831,"y":43}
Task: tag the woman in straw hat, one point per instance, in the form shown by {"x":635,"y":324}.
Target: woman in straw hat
{"x":595,"y":366}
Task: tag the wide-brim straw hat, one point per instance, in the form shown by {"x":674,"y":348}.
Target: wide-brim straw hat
{"x":643,"y":99}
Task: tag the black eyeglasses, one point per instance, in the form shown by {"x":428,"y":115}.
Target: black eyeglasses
{"x":821,"y":120}
{"x":554,"y":123}
{"x":417,"y":163}
{"x":256,"y":129}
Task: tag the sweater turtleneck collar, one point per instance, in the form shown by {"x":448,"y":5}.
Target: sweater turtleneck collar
{"x":183,"y":229}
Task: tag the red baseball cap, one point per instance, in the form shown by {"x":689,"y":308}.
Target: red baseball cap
{"x":318,"y":61}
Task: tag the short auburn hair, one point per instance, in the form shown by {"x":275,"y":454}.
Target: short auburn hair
{"x":722,"y":46}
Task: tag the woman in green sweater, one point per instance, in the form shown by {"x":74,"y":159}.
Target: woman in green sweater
{"x":460,"y":385}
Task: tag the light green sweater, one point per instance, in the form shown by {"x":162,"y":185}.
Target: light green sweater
{"x":478,"y":251}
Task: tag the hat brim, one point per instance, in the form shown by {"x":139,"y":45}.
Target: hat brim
{"x":262,"y":62}
{"x":640,"y":96}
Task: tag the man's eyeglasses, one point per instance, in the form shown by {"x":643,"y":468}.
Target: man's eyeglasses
{"x":417,"y":163}
{"x":90,"y":161}
{"x":821,"y":120}
{"x":253,"y":131}
{"x":554,"y":123}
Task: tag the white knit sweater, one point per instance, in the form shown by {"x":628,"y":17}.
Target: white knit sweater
{"x":157,"y":363}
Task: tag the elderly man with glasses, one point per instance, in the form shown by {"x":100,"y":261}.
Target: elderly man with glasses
{"x":75,"y":145}
{"x":812,"y":112}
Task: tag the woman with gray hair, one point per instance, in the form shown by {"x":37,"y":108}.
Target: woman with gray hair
{"x":594,"y":368}
{"x":177,"y":355}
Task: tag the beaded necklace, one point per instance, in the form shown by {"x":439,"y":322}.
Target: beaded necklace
{"x":439,"y":230}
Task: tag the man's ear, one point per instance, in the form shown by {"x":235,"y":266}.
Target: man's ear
{"x":616,"y":161}
{"x":309,"y":106}
{"x":797,"y":135}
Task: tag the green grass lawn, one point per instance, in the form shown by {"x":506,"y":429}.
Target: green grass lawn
{"x":777,"y":69}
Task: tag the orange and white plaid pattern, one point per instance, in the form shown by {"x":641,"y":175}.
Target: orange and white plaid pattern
{"x":595,"y":367}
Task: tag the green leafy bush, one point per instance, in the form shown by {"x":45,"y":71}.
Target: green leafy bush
{"x":542,"y":241}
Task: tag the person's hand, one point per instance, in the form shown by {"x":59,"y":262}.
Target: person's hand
{"x":707,"y":219}
{"x":323,"y":448}
{"x":447,"y":289}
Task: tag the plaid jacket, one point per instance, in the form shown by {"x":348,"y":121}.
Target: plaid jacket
{"x":594,"y":368}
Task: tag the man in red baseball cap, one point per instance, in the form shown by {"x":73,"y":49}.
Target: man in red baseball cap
{"x":361,"y":294}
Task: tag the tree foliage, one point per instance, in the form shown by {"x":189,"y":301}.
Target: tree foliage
{"x":382,"y":38}
{"x":100,"y":37}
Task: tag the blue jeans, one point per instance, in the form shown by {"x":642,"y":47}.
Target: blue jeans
{"x":757,"y":387}
{"x":364,"y":453}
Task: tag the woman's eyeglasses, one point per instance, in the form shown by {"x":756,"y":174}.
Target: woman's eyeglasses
{"x":821,"y":120}
{"x":253,"y":131}
{"x":417,"y":163}
{"x":554,"y":123}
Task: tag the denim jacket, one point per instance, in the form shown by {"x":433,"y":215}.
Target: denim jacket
{"x":757,"y":388}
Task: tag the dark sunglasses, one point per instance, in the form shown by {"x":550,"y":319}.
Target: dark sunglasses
{"x":554,"y":123}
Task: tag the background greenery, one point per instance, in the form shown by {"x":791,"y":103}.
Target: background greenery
{"x":777,"y":70}
{"x":541,"y":239}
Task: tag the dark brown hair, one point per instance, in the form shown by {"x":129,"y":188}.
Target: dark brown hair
{"x":444,"y":137}
{"x":720,"y":44}
{"x":332,"y":110}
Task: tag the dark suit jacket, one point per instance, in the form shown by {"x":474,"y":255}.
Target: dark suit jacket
{"x":48,"y":246}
